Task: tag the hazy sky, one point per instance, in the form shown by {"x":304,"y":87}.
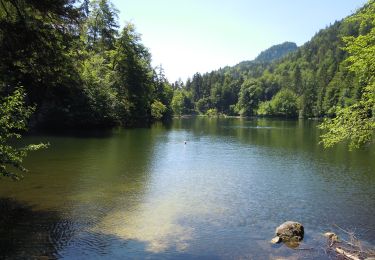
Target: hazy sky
{"x":188,"y":36}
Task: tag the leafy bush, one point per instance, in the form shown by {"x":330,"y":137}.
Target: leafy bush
{"x":212,"y":112}
{"x":13,"y":119}
{"x":284,"y":103}
{"x":158,"y":110}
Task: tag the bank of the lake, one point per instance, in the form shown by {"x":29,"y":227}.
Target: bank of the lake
{"x":142,"y":192}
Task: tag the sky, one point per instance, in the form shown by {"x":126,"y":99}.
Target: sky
{"x":189,"y":36}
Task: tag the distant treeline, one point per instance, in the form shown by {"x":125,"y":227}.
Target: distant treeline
{"x":286,"y":81}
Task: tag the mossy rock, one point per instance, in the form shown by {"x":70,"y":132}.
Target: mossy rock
{"x":290,"y":231}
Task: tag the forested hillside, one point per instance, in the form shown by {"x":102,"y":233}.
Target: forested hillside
{"x":77,"y":68}
{"x":276,"y":52}
{"x":311,"y":81}
{"x":219,"y":90}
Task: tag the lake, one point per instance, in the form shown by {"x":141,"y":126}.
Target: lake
{"x":143,"y":193}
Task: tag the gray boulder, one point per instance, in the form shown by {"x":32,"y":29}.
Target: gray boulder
{"x":289,"y":231}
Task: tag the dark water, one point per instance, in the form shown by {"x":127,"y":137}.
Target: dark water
{"x":142,"y":193}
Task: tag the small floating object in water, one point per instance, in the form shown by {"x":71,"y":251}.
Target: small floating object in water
{"x":332,"y":238}
{"x":185,"y":142}
{"x":276,"y":240}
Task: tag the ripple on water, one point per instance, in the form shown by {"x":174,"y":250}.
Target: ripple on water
{"x":142,"y":193}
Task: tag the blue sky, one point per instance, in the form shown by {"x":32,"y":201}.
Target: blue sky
{"x":188,"y":36}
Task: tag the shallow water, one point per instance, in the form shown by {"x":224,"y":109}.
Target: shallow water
{"x":143,"y":193}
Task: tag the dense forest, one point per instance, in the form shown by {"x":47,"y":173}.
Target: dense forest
{"x":286,"y":81}
{"x":76,"y":67}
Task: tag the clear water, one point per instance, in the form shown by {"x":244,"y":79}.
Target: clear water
{"x":143,"y":193}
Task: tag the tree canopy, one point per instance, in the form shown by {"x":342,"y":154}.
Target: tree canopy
{"x":356,"y":123}
{"x":76,"y":66}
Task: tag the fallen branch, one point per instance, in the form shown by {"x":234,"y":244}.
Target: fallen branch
{"x":349,"y":250}
{"x":347,"y":255}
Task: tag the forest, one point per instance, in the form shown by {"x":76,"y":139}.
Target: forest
{"x":309,"y":81}
{"x":78,"y":69}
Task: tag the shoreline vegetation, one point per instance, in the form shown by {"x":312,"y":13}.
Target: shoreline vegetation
{"x":111,"y":80}
{"x":246,"y":117}
{"x":79,"y":70}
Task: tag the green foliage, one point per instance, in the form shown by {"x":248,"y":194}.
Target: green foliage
{"x":356,"y":123}
{"x":133,"y":76}
{"x":75,"y":66}
{"x":158,"y":110}
{"x":178,"y":103}
{"x":351,"y":124}
{"x":13,"y":120}
{"x":98,"y":80}
{"x":163,"y":91}
{"x":249,"y":97}
{"x":101,"y":25}
{"x":203,"y":105}
{"x":181,"y":103}
{"x":284,"y":104}
{"x":265,"y":108}
{"x":212,"y":112}
{"x":35,"y":42}
{"x":276,"y":52}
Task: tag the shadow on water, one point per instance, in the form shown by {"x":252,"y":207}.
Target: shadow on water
{"x":26,"y":233}
{"x":78,"y":133}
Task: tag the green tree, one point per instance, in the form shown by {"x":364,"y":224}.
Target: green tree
{"x":133,"y":77}
{"x":178,"y":103}
{"x":197,"y":87}
{"x":356,"y":123}
{"x":181,"y":103}
{"x":249,"y":97}
{"x":101,"y":97}
{"x":13,"y":119}
{"x":163,"y":91}
{"x":37,"y":39}
{"x":158,"y":110}
{"x":101,"y":24}
{"x":203,"y":105}
{"x":265,"y":108}
{"x":284,"y":103}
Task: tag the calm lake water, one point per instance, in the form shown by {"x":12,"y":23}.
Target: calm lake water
{"x":143,"y":193}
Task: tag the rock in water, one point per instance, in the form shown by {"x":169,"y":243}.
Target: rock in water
{"x":290,"y":231}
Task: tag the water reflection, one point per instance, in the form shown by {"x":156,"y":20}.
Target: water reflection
{"x":144,"y":193}
{"x":154,"y":223}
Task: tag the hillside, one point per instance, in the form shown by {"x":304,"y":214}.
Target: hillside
{"x":313,"y":78}
{"x":276,"y":52}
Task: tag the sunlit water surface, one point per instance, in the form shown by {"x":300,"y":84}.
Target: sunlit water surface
{"x":143,"y":193}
